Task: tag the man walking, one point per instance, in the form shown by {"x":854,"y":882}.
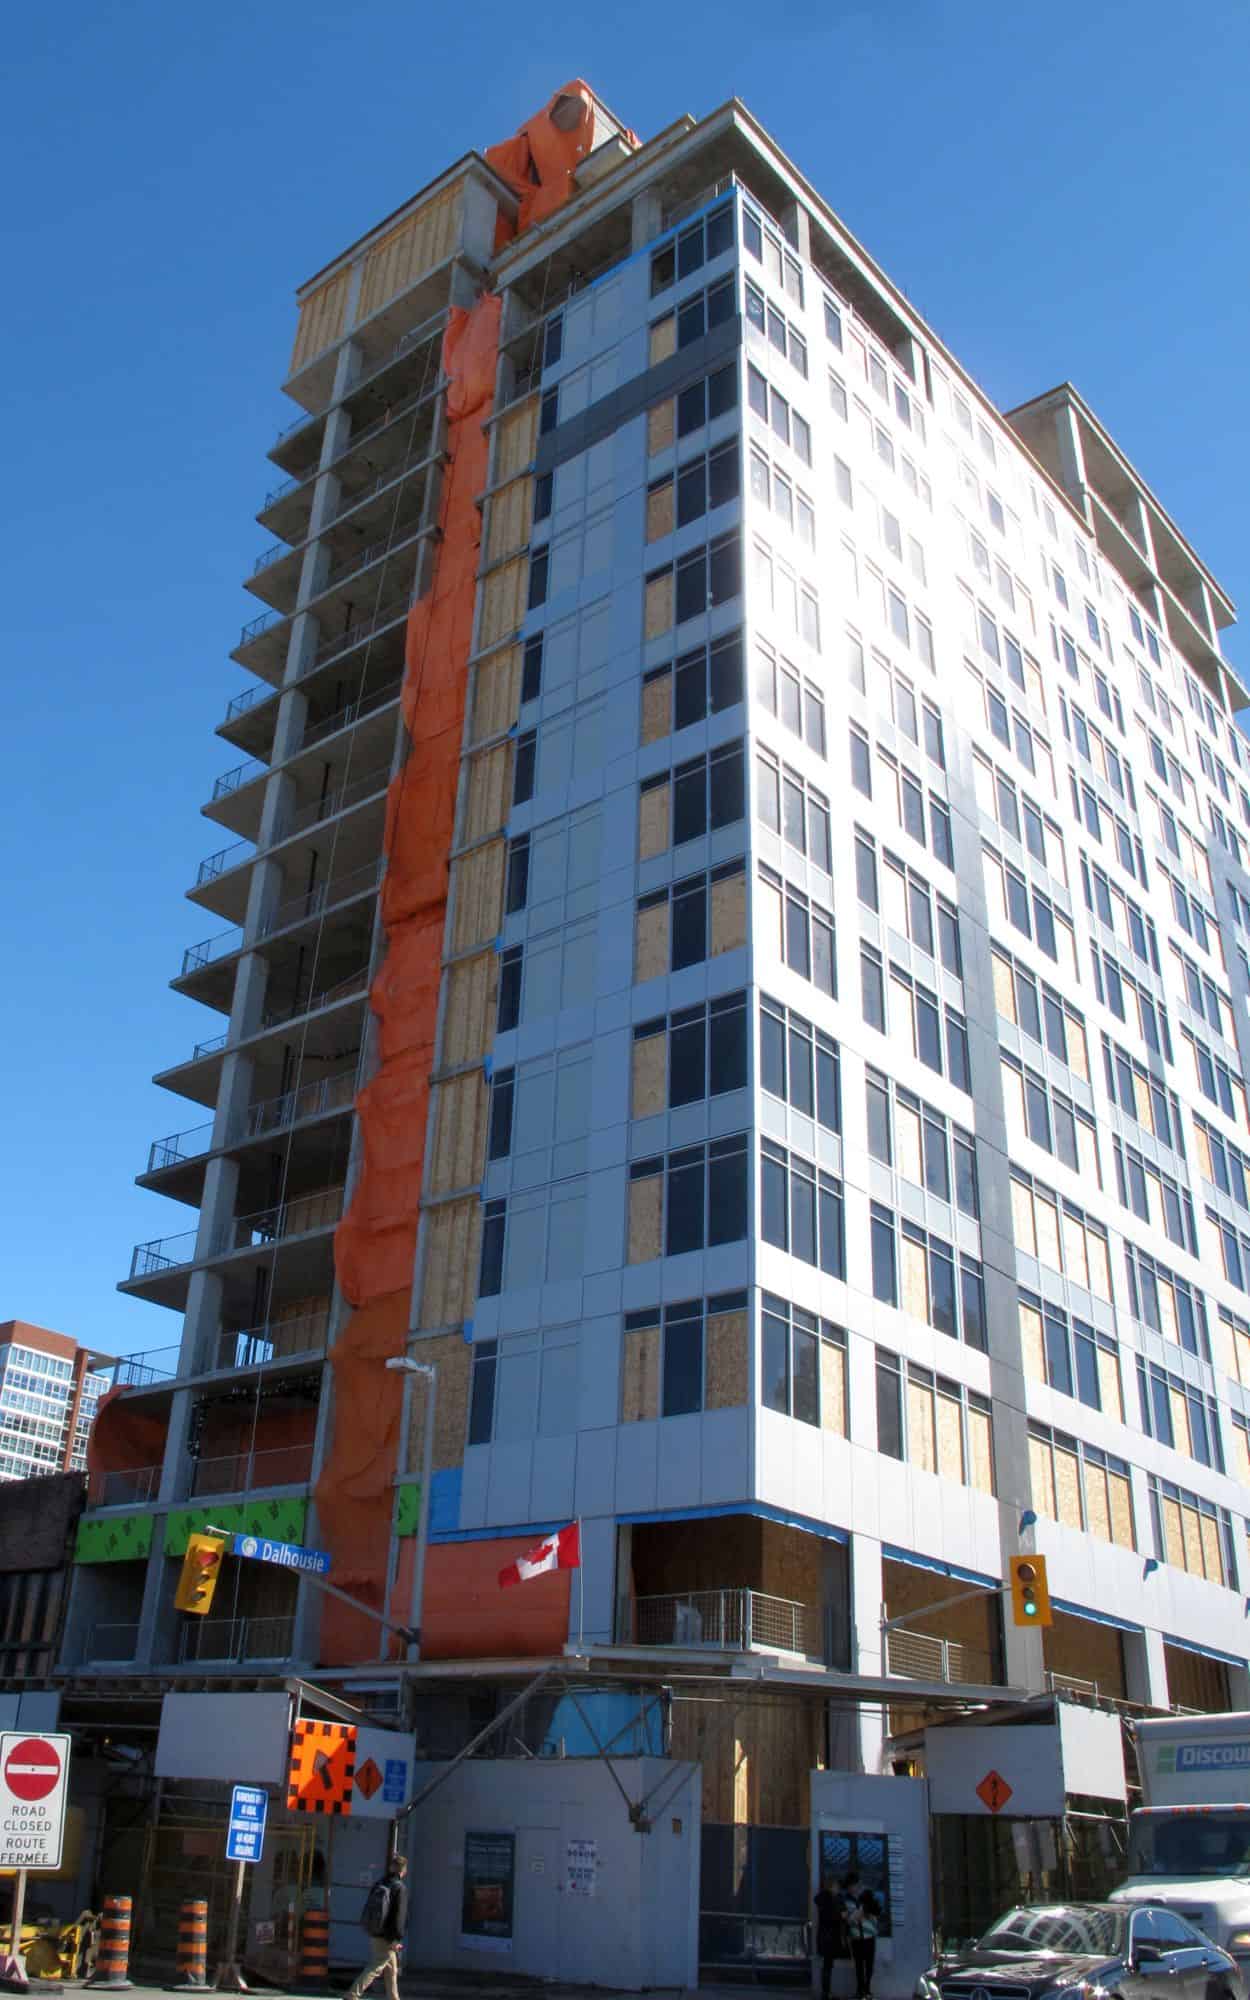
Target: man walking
{"x":385,"y":1918}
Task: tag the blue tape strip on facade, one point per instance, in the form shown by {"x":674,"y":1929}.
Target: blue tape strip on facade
{"x":759,"y":1509}
{"x":1093,"y":1617}
{"x":1206,"y":1652}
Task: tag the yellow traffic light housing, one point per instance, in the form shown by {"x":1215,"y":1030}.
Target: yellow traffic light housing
{"x":1030,"y":1598}
{"x":201,"y":1567}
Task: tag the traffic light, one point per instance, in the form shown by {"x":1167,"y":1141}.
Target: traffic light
{"x":1030,"y":1599}
{"x":201,"y":1567}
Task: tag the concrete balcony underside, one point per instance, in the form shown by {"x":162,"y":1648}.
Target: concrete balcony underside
{"x":326,"y":1021}
{"x":349,"y":820}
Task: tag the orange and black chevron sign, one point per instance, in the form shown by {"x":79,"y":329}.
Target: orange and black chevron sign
{"x":322,"y":1770}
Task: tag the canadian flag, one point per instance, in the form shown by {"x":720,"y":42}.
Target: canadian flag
{"x":559,"y":1551}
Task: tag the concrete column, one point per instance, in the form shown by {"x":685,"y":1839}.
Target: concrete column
{"x":646,"y":218}
{"x":857,"y":1736}
{"x":1238,"y":1689}
{"x":624,"y":1562}
{"x":1145,"y":1668}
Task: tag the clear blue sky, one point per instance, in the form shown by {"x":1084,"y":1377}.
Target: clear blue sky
{"x":1061,"y":191}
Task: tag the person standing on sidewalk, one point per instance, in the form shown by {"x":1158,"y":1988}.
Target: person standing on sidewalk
{"x":385,"y":1918}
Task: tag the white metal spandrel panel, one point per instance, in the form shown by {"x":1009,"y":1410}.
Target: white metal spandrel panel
{"x":1092,"y":1742}
{"x":1020,"y":1770}
{"x":235,"y":1738}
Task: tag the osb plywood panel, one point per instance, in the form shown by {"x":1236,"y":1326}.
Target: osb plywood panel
{"x":452,"y":1246}
{"x":1022,"y":1218}
{"x":729,"y":914}
{"x":1068,"y":1488}
{"x":477,"y":889}
{"x":640,"y":1375}
{"x":1075,"y":1261}
{"x":1032,"y":1351}
{"x":497,"y":693}
{"x":657,"y":707}
{"x":1194,"y":1682}
{"x":661,"y":511}
{"x":472,"y":992}
{"x":650,"y":1080}
{"x":653,"y":820}
{"x":727,"y":1361}
{"x":489,"y":791}
{"x":1121,"y":1511}
{"x":1097,"y":1510}
{"x":425,"y":239}
{"x":1085,"y":1651}
{"x":452,"y":1355}
{"x":950,"y":1448}
{"x":510,"y":511}
{"x":651,"y":942}
{"x":320,"y":320}
{"x":980,"y":1452}
{"x":503,"y":602}
{"x":658,"y":605}
{"x":832,"y":1388}
{"x":1041,"y":1477}
{"x":1004,"y":988}
{"x":516,"y":436}
{"x":663,"y":339}
{"x":646,"y":1211}
{"x":920,"y":1446}
{"x":458,"y":1155}
{"x":313,"y":1211}
{"x":662,"y":425}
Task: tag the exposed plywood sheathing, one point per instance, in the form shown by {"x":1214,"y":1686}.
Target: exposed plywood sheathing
{"x":661,"y":511}
{"x":452,"y":1239}
{"x":727,"y":1361}
{"x":1082,"y":1650}
{"x":452,"y":1355}
{"x":646,"y":1215}
{"x":950,"y":1446}
{"x":516,"y":436}
{"x":653,"y":820}
{"x":657,"y":707}
{"x":663,"y":340}
{"x":640,"y":1375}
{"x":651,"y":942}
{"x":420,"y":242}
{"x":729,"y":914}
{"x":658,"y":605}
{"x":488,"y":791}
{"x":503,"y":596}
{"x":320,"y":320}
{"x":650,"y":1078}
{"x":662,"y":425}
{"x":1032,"y":1349}
{"x":458,"y":1154}
{"x":472,"y":992}
{"x":980,"y":1451}
{"x":477,"y":887}
{"x":510,"y":512}
{"x":832,"y":1388}
{"x":497,"y":696}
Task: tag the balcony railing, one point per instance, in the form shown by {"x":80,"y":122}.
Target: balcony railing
{"x":271,"y":555}
{"x":358,"y":559}
{"x":223,"y":861}
{"x":356,"y":634}
{"x":209,"y":949}
{"x":163,"y":1253}
{"x":240,"y":703}
{"x":236,"y":1639}
{"x":333,"y":802}
{"x":239,"y":774}
{"x":310,"y":1003}
{"x":252,"y":1471}
{"x":255,"y":626}
{"x":179,"y":1146}
{"x":1071,"y":1684}
{"x":325,"y":896}
{"x":920,"y":1656}
{"x":210,"y":1047}
{"x":111,"y":1642}
{"x":135,"y":1486}
{"x":140,"y":1371}
{"x":300,"y":1217}
{"x":278,"y":1340}
{"x":344,"y":717}
{"x":732,"y":1621}
{"x":327,"y":1093}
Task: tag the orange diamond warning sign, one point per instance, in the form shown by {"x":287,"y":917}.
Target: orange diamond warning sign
{"x":368,"y":1778}
{"x":993,"y":1791}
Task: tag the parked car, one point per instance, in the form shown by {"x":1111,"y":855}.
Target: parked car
{"x":1083,"y":1951}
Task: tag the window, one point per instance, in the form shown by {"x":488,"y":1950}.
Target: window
{"x":542,"y":496}
{"x":769,"y":249}
{"x":799,"y":1064}
{"x":1011,"y":728}
{"x":775,"y":490}
{"x":1221,"y":1163}
{"x":801,"y":1209}
{"x":791,"y":697}
{"x":796,"y":930}
{"x":523,"y":767}
{"x":921,"y":1143}
{"x":688,"y":1200}
{"x":509,"y":989}
{"x":694,"y":799}
{"x":517,"y":876}
{"x":1070,"y":1355}
{"x":794,"y":810}
{"x":703,"y":682}
{"x":1060,"y":1235}
{"x":1142,"y":1096}
{"x":1234,"y":1246}
{"x":1181,"y":843}
{"x":539,"y":562}
{"x":1029,"y":910}
{"x":1165,"y":1303}
{"x":699,"y":486}
{"x":1177,"y":1414}
{"x":1154,"y":1197}
{"x":1130,"y":1001}
{"x":1037,"y":1110}
{"x":1079,"y":1485}
{"x":502,"y":1093}
{"x":1019,"y":815}
{"x":1197,"y":922}
{"x":553,"y":340}
{"x":934,"y":1424}
{"x":699,"y":403}
{"x":682,"y":1358}
{"x":802,"y":1365}
{"x":918,"y":1271}
{"x":772,"y":325}
{"x":929,"y":1029}
{"x":774,"y":409}
{"x":532,"y":668}
{"x":549,"y":412}
{"x":1218,"y":1083}
{"x":694,"y":919}
{"x":490,"y":1270}
{"x":695,"y":245}
{"x":1039,"y":1011}
{"x":921,"y":812}
{"x":905,"y":901}
{"x":687,"y":1056}
{"x":1191,"y":1533}
{"x":1203,"y":995}
{"x":698,"y":582}
{"x":778,"y":589}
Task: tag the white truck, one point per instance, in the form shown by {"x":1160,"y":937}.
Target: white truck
{"x":1189,"y":1841}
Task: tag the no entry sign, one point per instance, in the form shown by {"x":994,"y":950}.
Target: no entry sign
{"x":34,"y":1782}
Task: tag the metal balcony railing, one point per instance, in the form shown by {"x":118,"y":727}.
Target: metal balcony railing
{"x":134,"y":1486}
{"x":348,"y":502}
{"x":1070,"y":1684}
{"x":179,"y":1146}
{"x":210,"y":1047}
{"x":921,"y":1656}
{"x":311,"y":1100}
{"x":271,"y":555}
{"x":335,"y":801}
{"x":277,"y":1340}
{"x":236,"y":1639}
{"x":163,"y":1253}
{"x":252,"y":1471}
{"x":255,"y":626}
{"x":354,"y":712}
{"x":356,"y":634}
{"x":300,"y":1217}
{"x":140,"y":1371}
{"x":358,"y":559}
{"x":209,"y":949}
{"x":733,"y":1621}
{"x":110,"y":1642}
{"x":223,"y":861}
{"x":324,"y":896}
{"x":239,"y":774}
{"x":240,"y":703}
{"x":284,"y":487}
{"x":311,"y":1003}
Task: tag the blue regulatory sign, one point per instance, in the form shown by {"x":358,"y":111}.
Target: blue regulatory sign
{"x":246,"y":1835}
{"x":287,"y":1555}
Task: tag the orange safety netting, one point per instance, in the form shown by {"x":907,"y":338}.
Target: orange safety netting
{"x":375,"y":1243}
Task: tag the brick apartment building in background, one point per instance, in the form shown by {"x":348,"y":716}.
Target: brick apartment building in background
{"x":50,"y":1388}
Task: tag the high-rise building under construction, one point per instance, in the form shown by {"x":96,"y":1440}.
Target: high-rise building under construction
{"x":737,"y":960}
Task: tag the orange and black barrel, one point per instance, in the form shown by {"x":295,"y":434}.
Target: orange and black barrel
{"x":113,"y":1953}
{"x":314,"y":1956}
{"x":192,"y":1946}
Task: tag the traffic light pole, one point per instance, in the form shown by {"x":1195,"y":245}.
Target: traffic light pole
{"x":404,"y":1632}
{"x":943,"y":1604}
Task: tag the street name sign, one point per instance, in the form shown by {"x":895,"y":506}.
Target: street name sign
{"x":287,"y":1555}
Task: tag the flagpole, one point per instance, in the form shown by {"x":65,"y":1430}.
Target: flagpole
{"x":581,"y":1587}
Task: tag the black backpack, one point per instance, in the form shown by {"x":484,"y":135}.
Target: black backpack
{"x":377,"y":1910}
